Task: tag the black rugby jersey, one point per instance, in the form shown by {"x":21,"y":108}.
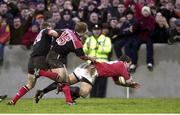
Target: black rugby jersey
{"x":42,"y":43}
{"x":68,"y":42}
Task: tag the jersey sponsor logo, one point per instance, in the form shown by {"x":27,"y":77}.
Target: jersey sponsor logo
{"x":65,"y":37}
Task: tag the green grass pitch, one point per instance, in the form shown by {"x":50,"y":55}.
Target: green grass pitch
{"x":95,"y":105}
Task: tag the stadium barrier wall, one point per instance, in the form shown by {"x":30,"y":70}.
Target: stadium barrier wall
{"x":162,"y":82}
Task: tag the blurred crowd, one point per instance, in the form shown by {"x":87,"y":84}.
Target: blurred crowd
{"x":126,"y":23}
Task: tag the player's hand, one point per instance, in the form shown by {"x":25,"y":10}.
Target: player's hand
{"x":92,"y":59}
{"x":133,"y":85}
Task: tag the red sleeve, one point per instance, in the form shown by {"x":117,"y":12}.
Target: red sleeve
{"x":124,"y":72}
{"x":76,"y":41}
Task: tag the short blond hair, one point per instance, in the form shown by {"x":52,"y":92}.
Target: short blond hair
{"x":81,"y":27}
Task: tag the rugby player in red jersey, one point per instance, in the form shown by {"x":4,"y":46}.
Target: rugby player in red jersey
{"x":87,"y":73}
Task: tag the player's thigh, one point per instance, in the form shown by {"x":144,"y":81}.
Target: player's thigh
{"x":37,"y":62}
{"x":61,"y":72}
{"x":72,"y":79}
{"x":85,"y":89}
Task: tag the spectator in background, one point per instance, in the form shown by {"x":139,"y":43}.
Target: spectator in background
{"x":53,"y":8}
{"x":103,"y":10}
{"x":113,"y":29}
{"x":167,"y":10}
{"x":66,"y":21}
{"x":93,"y":19}
{"x":81,"y":14}
{"x":56,"y":18}
{"x":41,"y":9}
{"x":29,"y":37}
{"x":113,"y":9}
{"x":161,"y":31}
{"x":5,"y":13}
{"x":18,"y":29}
{"x":68,"y":5}
{"x":177,"y":8}
{"x":144,"y":28}
{"x":25,"y":14}
{"x":121,"y":10}
{"x":4,"y":37}
{"x":125,"y":35}
{"x":60,"y":3}
{"x":135,"y":6}
{"x":175,"y":33}
{"x":172,"y":23}
{"x":105,"y":29}
{"x":40,"y":19}
{"x":98,"y":46}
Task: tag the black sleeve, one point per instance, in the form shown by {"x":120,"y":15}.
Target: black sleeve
{"x":79,"y":52}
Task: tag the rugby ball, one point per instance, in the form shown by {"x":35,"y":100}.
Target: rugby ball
{"x":122,"y":80}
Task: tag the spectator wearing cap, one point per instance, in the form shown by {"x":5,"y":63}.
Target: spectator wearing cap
{"x":66,"y":21}
{"x":144,"y":28}
{"x":99,"y":46}
{"x":175,"y":33}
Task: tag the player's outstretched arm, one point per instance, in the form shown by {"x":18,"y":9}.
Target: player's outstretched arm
{"x":127,"y":83}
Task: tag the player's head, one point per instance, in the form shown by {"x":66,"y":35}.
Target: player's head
{"x":48,"y":24}
{"x":126,"y":59}
{"x":81,"y":28}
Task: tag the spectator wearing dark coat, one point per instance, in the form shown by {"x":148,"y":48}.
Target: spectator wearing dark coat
{"x":125,"y":35}
{"x":66,"y":21}
{"x":175,"y":33}
{"x":18,"y":29}
{"x":161,"y":31}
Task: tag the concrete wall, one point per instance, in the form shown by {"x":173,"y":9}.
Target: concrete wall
{"x":162,"y":82}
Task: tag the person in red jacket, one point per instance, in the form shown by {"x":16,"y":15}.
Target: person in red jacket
{"x":144,"y":28}
{"x":4,"y":37}
{"x":29,"y":37}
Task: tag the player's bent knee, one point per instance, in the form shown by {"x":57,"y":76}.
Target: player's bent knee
{"x":84,"y":91}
